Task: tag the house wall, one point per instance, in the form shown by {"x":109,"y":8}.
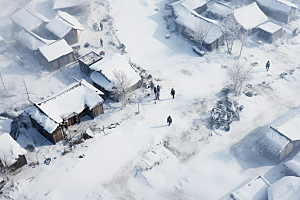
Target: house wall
{"x":84,"y":68}
{"x":71,"y":37}
{"x":21,"y":161}
{"x":278,"y":15}
{"x":56,"y":64}
{"x":106,"y":93}
{"x":201,"y":9}
{"x":291,"y":15}
{"x":96,"y":111}
{"x":264,"y":35}
{"x":45,"y":133}
{"x":16,"y":27}
{"x":277,"y":35}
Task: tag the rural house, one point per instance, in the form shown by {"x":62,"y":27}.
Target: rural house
{"x":187,"y":20}
{"x":286,"y":188}
{"x":269,"y":31}
{"x":249,"y":17}
{"x":65,"y":108}
{"x":12,"y":155}
{"x":199,"y":6}
{"x":28,"y":19}
{"x":279,"y":143}
{"x":55,"y":55}
{"x":103,"y":76}
{"x":65,"y":26}
{"x":281,"y":10}
{"x":219,"y":11}
{"x":87,"y":60}
{"x":66,"y":4}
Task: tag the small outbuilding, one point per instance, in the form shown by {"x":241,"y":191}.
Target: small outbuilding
{"x":103,"y":76}
{"x":28,"y":19}
{"x":286,"y":188}
{"x":55,"y":55}
{"x":219,"y":11}
{"x":87,"y":60}
{"x":281,"y":10}
{"x":12,"y":155}
{"x":269,"y":32}
{"x":249,"y":17}
{"x":52,"y":116}
{"x":65,"y":26}
{"x":279,"y":143}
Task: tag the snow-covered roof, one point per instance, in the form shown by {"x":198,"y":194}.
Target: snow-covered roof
{"x":192,"y":20}
{"x":291,"y":129}
{"x":269,"y":27}
{"x":256,"y":189}
{"x":111,"y":63}
{"x":287,"y":188}
{"x":250,"y":16}
{"x":90,"y":58}
{"x":294,"y":164}
{"x":64,"y":104}
{"x":101,"y":80}
{"x":55,"y":50}
{"x":221,"y":9}
{"x":62,"y":24}
{"x":5,"y":124}
{"x":31,"y":40}
{"x":10,"y":149}
{"x":278,"y":5}
{"x":273,"y":141}
{"x":28,"y":19}
{"x":58,"y":4}
{"x":193,"y":4}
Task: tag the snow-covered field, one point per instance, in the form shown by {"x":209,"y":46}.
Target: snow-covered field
{"x":132,"y":161}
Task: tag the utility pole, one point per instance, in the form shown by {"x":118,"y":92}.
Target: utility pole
{"x":26,"y":88}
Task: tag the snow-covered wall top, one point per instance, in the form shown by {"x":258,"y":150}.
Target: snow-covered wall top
{"x":250,"y":16}
{"x":273,"y":141}
{"x":62,"y":23}
{"x":64,"y":104}
{"x":291,"y":129}
{"x":58,"y":4}
{"x":194,"y":21}
{"x":280,"y":5}
{"x":193,"y":4}
{"x":5,"y":124}
{"x":55,"y":50}
{"x":287,"y":188}
{"x":220,"y":9}
{"x":294,"y":164}
{"x":111,"y":63}
{"x":31,"y":40}
{"x":28,"y":19}
{"x":10,"y":149}
{"x":269,"y":27}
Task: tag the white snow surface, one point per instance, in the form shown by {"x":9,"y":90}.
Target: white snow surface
{"x":10,"y":149}
{"x":55,"y":50}
{"x":221,"y":9}
{"x":62,"y":24}
{"x":269,"y":27}
{"x":287,"y":188}
{"x":291,"y":129}
{"x":28,"y":19}
{"x":294,"y":164}
{"x":278,"y":5}
{"x":31,"y":40}
{"x":193,"y":4}
{"x":59,"y":4}
{"x":5,"y":124}
{"x":250,"y":16}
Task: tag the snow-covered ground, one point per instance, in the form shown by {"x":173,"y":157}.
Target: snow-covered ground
{"x":143,"y":158}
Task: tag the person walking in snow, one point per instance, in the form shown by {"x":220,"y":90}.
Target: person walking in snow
{"x":101,"y":42}
{"x":157,"y":95}
{"x":268,"y":65}
{"x":154,"y":90}
{"x":173,"y":92}
{"x":158,"y":88}
{"x":101,"y":26}
{"x":169,"y":120}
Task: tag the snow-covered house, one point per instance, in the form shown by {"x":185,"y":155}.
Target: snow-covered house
{"x":63,"y":4}
{"x":199,"y":6}
{"x":87,"y":60}
{"x":292,"y":167}
{"x":281,"y":10}
{"x":219,"y":11}
{"x":269,"y":31}
{"x":65,"y":108}
{"x":55,"y":55}
{"x":65,"y":26}
{"x":286,"y":188}
{"x":103,"y":76}
{"x":28,"y":19}
{"x":12,"y":155}
{"x":249,"y":17}
{"x":255,"y":189}
{"x":279,"y":143}
{"x":187,"y":20}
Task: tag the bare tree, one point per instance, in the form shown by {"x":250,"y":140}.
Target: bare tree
{"x":199,"y":34}
{"x":238,"y":75}
{"x":121,"y":87}
{"x":244,"y":39}
{"x":231,"y":30}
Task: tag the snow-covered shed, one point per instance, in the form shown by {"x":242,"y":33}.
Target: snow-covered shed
{"x":249,"y":17}
{"x":281,"y":10}
{"x":61,"y":4}
{"x":286,"y":188}
{"x":55,"y":55}
{"x":187,"y":20}
{"x":65,"y":108}
{"x":255,"y":189}
{"x":269,"y":31}
{"x":219,"y":10}
{"x":103,"y":76}
{"x":28,"y":19}
{"x":87,"y":60}
{"x":279,"y":143}
{"x":65,"y":26}
{"x":292,"y":167}
{"x":31,"y":40}
{"x":12,"y":155}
